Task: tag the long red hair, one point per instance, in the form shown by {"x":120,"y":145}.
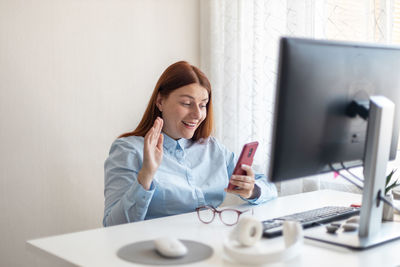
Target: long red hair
{"x":175,"y":76}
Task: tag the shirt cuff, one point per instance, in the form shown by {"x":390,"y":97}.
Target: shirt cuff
{"x":256,"y":192}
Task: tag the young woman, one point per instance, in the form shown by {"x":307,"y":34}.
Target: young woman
{"x":170,"y":164}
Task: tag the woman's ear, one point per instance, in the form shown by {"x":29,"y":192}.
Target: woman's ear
{"x":159,"y":102}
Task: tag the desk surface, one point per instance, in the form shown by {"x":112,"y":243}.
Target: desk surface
{"x":98,"y":247}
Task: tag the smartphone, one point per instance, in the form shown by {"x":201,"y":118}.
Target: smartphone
{"x":246,"y":157}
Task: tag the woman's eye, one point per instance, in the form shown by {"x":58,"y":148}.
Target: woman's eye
{"x":186,"y":104}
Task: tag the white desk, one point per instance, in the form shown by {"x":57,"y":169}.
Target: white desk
{"x":98,"y":247}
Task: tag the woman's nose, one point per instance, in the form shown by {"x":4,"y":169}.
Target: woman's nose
{"x":196,"y":112}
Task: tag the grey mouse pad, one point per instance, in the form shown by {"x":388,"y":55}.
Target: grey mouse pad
{"x":144,"y":252}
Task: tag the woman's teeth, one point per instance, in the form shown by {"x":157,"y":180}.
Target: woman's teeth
{"x":189,"y":124}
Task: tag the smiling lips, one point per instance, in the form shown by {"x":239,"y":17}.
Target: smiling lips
{"x":190,"y":125}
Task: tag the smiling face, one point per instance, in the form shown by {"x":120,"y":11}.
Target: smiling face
{"x":183,"y":110}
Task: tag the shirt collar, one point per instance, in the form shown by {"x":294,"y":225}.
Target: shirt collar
{"x":170,"y":144}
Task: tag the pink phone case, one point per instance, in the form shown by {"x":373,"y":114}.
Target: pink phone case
{"x":246,"y":157}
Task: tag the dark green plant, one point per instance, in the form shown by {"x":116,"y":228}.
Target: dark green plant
{"x":393,"y":185}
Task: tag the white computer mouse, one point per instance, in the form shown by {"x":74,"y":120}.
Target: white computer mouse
{"x":170,"y":247}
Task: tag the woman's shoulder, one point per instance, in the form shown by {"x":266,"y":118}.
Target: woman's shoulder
{"x":128,"y":143}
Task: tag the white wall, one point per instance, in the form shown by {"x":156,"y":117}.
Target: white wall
{"x":73,"y":76}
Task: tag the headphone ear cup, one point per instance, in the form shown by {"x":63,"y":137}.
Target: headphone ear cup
{"x":247,"y":232}
{"x":292,"y":232}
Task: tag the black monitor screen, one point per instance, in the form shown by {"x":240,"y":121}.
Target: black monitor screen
{"x":317,"y":80}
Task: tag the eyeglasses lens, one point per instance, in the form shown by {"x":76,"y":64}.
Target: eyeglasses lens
{"x":229,"y":217}
{"x":206,"y":215}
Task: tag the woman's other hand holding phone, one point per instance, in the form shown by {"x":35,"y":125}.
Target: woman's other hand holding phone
{"x":244,"y":184}
{"x":152,"y":154}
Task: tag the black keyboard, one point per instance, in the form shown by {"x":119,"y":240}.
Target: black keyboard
{"x":309,"y":218}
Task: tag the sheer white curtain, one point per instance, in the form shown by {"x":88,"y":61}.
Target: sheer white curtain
{"x":239,"y":50}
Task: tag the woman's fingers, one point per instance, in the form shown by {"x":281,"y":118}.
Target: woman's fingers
{"x":152,"y":136}
{"x":248,"y":170}
{"x":243,"y":183}
{"x":149,"y":135}
{"x":160,"y":124}
{"x":155,"y":133}
{"x":153,"y":147}
{"x":242,"y":178}
{"x":160,"y":142}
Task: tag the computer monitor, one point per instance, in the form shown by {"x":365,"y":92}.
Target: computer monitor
{"x":315,"y":127}
{"x":317,"y":80}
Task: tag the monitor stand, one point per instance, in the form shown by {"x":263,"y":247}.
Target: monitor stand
{"x":371,"y":231}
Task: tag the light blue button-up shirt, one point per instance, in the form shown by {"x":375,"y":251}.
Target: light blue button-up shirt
{"x":191,"y":174}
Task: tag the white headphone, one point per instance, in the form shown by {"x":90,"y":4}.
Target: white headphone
{"x":242,"y":244}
